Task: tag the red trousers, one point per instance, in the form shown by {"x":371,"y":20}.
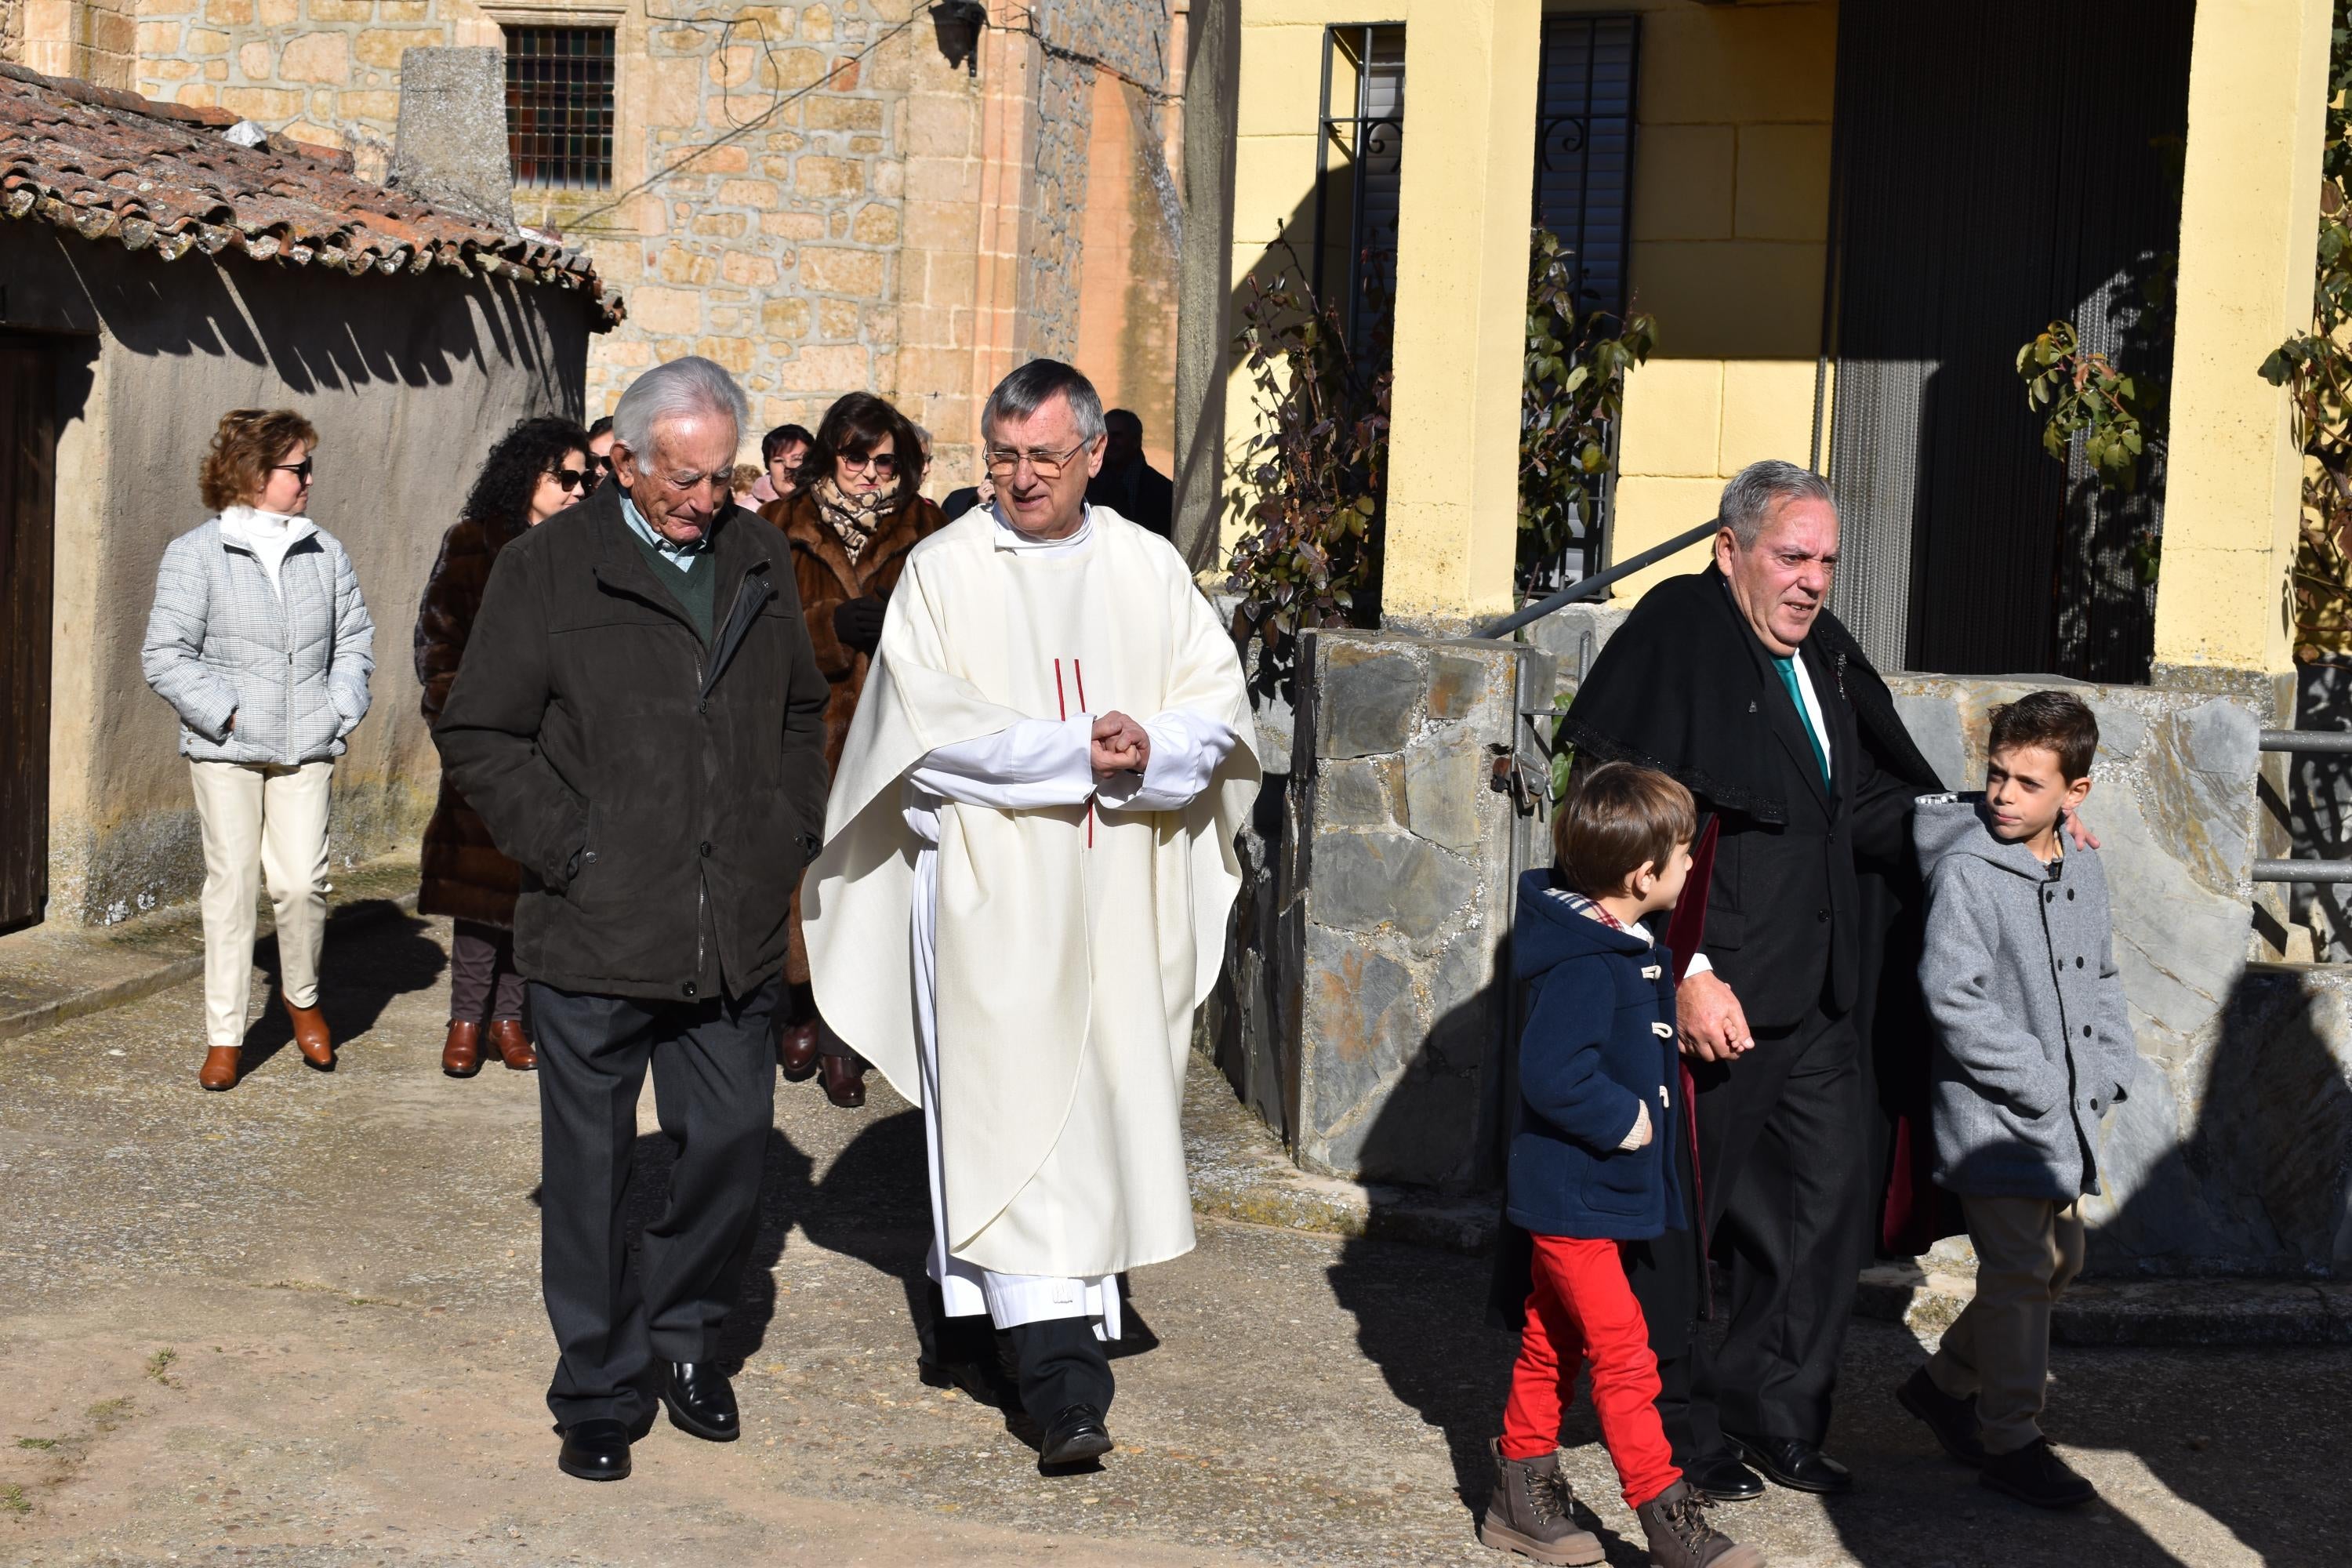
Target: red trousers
{"x":1581,"y":1310}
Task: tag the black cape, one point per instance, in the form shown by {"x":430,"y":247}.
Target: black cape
{"x":1655,"y":698}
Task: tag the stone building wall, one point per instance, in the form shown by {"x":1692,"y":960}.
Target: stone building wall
{"x":813,"y":194}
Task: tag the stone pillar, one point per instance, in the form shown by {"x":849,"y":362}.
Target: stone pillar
{"x":452,"y":146}
{"x":1461,"y":312}
{"x":1403,"y":862}
{"x":2249,"y":225}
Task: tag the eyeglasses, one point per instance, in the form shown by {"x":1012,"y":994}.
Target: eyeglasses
{"x":1004,"y":462}
{"x":883,"y":463}
{"x":569,"y":479}
{"x":301,"y":470}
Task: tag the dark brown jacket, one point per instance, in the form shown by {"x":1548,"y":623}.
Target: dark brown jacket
{"x":829,"y":579}
{"x":464,"y":877}
{"x":662,"y":793}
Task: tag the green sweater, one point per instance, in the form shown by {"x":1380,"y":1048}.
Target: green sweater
{"x":695,"y":591}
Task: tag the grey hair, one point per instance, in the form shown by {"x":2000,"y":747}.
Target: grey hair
{"x":1037,"y":384}
{"x":1761,"y":488}
{"x":681,"y":389}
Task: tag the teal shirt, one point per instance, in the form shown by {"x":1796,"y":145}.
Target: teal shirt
{"x":1788,"y":669}
{"x":674,"y":568}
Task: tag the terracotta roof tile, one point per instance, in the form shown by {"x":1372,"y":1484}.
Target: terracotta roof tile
{"x":161,"y":177}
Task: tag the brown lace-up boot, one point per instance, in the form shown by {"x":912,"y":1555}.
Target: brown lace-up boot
{"x":1680,"y":1536}
{"x":1531,"y":1513}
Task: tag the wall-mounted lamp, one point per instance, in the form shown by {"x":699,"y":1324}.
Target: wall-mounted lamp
{"x":957,"y":24}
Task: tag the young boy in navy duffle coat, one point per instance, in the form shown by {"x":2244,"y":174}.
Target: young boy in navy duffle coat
{"x":1599,"y":1087}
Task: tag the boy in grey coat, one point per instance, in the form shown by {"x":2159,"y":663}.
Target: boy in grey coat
{"x":2033,"y":1047}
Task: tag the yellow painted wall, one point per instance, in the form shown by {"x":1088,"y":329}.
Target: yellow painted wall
{"x":2248,"y":223}
{"x":1731,"y":165}
{"x":1731,"y":174}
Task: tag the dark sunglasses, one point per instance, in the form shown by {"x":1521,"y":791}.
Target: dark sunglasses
{"x":884,"y":463}
{"x":569,"y":479}
{"x":301,"y":470}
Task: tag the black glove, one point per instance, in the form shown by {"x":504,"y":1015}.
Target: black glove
{"x":858,"y":623}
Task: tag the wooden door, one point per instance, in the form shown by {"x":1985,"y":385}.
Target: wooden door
{"x":28,"y":447}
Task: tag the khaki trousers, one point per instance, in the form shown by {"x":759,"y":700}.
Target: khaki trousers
{"x":260,"y":822}
{"x":2028,"y":1251}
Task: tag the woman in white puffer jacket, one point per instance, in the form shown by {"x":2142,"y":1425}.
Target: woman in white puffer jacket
{"x":260,"y":642}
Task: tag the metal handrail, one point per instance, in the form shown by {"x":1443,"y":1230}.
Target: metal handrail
{"x":1588,"y":587}
{"x":2306,"y":740}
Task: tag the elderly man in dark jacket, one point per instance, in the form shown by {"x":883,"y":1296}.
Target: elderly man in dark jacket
{"x":641,"y":722}
{"x":1739,"y":682}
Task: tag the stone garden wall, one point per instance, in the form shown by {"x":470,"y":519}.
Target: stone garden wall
{"x":1362,"y":1014}
{"x":1362,"y":1017}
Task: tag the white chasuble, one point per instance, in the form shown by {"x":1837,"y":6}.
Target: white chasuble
{"x":1071,"y":933}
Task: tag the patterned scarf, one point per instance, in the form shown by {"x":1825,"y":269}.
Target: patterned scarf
{"x":854,"y":520}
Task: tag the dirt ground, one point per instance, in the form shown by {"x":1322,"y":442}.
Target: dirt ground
{"x":299,"y":1324}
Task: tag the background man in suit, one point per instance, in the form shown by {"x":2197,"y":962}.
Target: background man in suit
{"x":1129,"y":485}
{"x":1738,"y":681}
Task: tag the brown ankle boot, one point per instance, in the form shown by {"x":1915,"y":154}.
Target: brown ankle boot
{"x":512,"y":1045}
{"x":845,"y":1080}
{"x":1680,"y":1536}
{"x":219,"y":1070}
{"x":311,"y":1036}
{"x":461,"y":1053}
{"x":1530,"y":1512}
{"x":796,"y":1050}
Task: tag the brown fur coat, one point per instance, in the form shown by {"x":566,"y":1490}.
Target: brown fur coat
{"x":828,"y":579}
{"x":464,"y":876}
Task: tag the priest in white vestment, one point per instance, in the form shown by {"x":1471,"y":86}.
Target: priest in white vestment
{"x":1029,"y":862}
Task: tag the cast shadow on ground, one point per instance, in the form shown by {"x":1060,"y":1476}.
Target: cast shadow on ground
{"x":1421,"y":1318}
{"x":873,"y":1205}
{"x":356,"y":982}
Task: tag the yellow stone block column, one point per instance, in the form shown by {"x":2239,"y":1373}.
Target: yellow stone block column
{"x":2248,"y":227}
{"x":1464,"y":200}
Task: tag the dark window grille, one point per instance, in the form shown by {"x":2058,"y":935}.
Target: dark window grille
{"x":1359,"y":161}
{"x":560,"y":106}
{"x":1584,"y":147}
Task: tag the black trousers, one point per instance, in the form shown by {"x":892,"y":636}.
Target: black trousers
{"x":483,"y":983}
{"x":714,"y":1069}
{"x":1781,"y":1164}
{"x":1057,"y":1364}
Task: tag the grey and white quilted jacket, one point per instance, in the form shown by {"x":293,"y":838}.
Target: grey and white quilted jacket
{"x":291,"y":662}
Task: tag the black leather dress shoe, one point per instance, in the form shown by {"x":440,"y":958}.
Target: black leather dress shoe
{"x":701,"y":1400}
{"x":1793,"y":1463}
{"x":1075,"y":1436}
{"x":1953,"y":1421}
{"x":1724,"y":1478}
{"x":594,"y":1450}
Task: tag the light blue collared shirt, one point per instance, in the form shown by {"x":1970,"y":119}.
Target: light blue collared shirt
{"x":681,"y":556}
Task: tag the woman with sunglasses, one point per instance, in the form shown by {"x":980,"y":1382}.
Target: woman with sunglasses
{"x":261,"y":643}
{"x":857,"y":510}
{"x":536,"y":470}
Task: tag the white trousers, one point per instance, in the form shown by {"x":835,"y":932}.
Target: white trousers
{"x":968,"y":1289}
{"x":260,"y":822}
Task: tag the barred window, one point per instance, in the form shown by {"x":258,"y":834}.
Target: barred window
{"x":560,"y":106}
{"x":1584,"y":147}
{"x":1359,"y":169}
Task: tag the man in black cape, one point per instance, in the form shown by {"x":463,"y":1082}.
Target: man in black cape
{"x":1739,"y":682}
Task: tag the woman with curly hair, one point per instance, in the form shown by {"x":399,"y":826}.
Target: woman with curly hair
{"x":856,"y":511}
{"x":536,"y":470}
{"x":261,"y":643}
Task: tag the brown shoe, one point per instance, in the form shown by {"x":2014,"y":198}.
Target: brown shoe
{"x":1531,"y":1513}
{"x":845,"y":1080}
{"x":221,"y":1064}
{"x":1680,"y":1536}
{"x":512,"y":1045}
{"x":311,"y":1036}
{"x":461,"y":1053}
{"x":796,"y":1050}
